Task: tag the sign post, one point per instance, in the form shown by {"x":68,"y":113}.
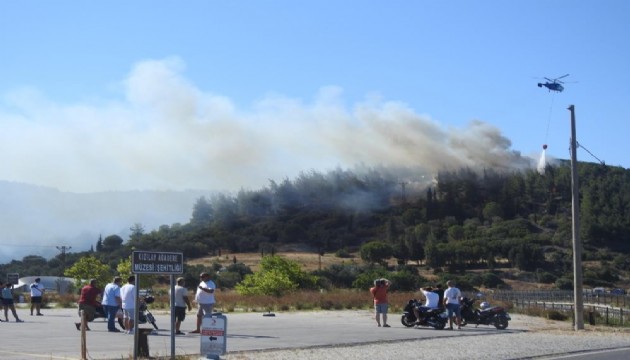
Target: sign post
{"x":213,"y":335}
{"x":156,"y":263}
{"x":13,"y":278}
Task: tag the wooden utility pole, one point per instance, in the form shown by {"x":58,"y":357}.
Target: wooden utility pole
{"x":577,"y":244}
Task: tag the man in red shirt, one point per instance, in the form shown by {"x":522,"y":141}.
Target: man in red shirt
{"x":379,"y":292}
{"x":87,"y":301}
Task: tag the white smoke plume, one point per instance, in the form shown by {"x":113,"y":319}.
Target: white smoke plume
{"x":166,"y":133}
{"x":542,"y":163}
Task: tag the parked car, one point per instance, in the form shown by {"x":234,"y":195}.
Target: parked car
{"x":599,"y":291}
{"x":618,"y":291}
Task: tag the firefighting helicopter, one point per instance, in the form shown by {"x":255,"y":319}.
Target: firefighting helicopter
{"x":554,"y":84}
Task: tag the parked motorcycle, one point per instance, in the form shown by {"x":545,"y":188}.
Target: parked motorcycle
{"x":144,"y":315}
{"x":435,"y":318}
{"x":100,"y":313}
{"x":487,"y":315}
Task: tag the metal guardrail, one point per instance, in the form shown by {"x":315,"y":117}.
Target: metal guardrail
{"x":603,"y":309}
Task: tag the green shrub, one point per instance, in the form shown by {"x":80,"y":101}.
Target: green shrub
{"x":555,"y":315}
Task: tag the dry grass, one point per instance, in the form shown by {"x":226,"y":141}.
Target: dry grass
{"x":229,"y":301}
{"x":308,"y":260}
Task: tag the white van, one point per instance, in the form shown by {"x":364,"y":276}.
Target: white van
{"x":599,"y":291}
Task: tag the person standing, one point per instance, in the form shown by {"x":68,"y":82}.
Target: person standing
{"x":128,"y":297}
{"x":112,"y":302}
{"x":181,"y":304}
{"x":381,"y":305}
{"x":205,"y":299}
{"x":438,"y":290}
{"x":7,"y":302}
{"x":87,"y":302}
{"x":451,"y":300}
{"x":37,"y":294}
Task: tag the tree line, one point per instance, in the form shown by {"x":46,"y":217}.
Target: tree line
{"x":464,"y":219}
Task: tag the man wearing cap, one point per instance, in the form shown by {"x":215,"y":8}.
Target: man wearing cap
{"x":204,"y":298}
{"x":37,"y":292}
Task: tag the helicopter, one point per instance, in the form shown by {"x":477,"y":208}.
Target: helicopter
{"x":554,"y":84}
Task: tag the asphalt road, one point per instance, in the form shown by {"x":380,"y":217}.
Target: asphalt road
{"x":54,"y":336}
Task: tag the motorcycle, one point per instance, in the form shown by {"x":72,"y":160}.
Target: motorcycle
{"x":144,"y":315}
{"x":435,"y":318}
{"x":495,"y":315}
{"x":99,"y":312}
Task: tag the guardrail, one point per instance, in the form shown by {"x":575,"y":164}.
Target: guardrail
{"x":602,"y":309}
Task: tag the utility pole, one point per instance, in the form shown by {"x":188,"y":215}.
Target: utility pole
{"x":63,"y":249}
{"x":577,"y":244}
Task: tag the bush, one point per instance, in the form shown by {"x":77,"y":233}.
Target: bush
{"x":564,"y":284}
{"x":491,"y":280}
{"x":545,"y":277}
{"x":555,"y":315}
{"x":343,"y":253}
{"x":406,"y":281}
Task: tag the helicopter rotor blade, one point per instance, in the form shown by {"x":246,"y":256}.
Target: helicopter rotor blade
{"x":548,"y":79}
{"x":563,"y":76}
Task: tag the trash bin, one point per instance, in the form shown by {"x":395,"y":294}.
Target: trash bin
{"x":143,"y":342}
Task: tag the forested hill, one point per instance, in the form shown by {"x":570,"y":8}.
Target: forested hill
{"x":459,"y":219}
{"x":341,"y":209}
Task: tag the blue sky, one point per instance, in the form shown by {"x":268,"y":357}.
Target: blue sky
{"x":121,"y":95}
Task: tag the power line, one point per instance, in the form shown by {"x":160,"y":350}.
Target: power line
{"x":585,"y":149}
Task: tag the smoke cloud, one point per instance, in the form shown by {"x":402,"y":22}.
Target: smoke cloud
{"x":165,"y":133}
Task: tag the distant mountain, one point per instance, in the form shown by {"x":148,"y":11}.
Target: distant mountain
{"x":35,"y":220}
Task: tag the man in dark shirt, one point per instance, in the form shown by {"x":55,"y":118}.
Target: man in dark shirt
{"x":438,"y":290}
{"x":87,"y":301}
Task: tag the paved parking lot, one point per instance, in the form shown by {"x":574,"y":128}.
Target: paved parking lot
{"x":54,"y":336}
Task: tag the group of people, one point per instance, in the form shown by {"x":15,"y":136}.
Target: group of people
{"x":8,"y":302}
{"x":117,"y":298}
{"x":434,"y":298}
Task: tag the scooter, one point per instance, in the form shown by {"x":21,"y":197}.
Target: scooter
{"x":435,"y":318}
{"x":487,"y":315}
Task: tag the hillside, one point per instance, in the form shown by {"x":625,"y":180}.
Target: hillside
{"x":479,"y":225}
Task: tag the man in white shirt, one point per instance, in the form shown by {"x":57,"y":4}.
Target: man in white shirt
{"x":451,"y":300}
{"x":37,"y":294}
{"x":204,"y":298}
{"x":181,"y":304}
{"x":430,"y":302}
{"x":128,"y":297}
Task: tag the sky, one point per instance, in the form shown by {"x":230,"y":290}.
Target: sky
{"x":222,"y":95}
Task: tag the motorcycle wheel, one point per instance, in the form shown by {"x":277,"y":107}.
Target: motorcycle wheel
{"x":501,"y":323}
{"x":406,"y":321}
{"x":439,"y":324}
{"x":151,"y":320}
